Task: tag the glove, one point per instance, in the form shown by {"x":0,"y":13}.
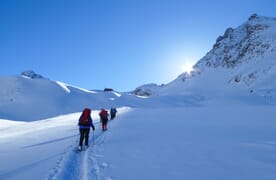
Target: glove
{"x":93,"y":128}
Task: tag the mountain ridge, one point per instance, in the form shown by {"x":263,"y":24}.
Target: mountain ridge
{"x":243,"y":56}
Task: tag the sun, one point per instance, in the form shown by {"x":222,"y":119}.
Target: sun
{"x":187,"y":67}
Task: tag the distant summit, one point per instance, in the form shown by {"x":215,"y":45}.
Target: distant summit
{"x":251,"y":40}
{"x":146,"y":90}
{"x":32,"y":75}
{"x":243,"y":59}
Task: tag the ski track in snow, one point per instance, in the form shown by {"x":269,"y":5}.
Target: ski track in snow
{"x":82,"y":165}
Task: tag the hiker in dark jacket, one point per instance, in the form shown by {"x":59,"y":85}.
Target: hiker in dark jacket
{"x":113,"y":112}
{"x":85,"y":122}
{"x":104,"y":118}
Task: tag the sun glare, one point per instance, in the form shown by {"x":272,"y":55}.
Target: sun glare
{"x":187,"y":67}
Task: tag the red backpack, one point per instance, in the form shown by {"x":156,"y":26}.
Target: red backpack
{"x":104,"y":115}
{"x":84,"y":119}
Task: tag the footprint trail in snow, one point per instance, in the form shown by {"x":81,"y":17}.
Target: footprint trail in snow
{"x":83,"y":165}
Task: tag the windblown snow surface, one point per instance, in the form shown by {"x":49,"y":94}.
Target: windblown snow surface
{"x":233,"y":141}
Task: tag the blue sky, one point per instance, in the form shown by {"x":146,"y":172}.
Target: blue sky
{"x":119,"y":44}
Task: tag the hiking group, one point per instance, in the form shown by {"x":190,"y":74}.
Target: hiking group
{"x":86,"y":122}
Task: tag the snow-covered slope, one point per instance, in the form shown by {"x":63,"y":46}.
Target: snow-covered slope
{"x":210,"y":143}
{"x":196,"y":127}
{"x":30,"y":97}
{"x":242,"y":61}
{"x":146,"y":90}
{"x":27,"y":97}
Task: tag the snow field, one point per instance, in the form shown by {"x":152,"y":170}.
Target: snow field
{"x":217,"y":142}
{"x":193,"y":143}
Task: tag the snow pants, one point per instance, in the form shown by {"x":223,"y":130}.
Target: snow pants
{"x":104,"y":124}
{"x":84,"y":134}
{"x":113,"y":116}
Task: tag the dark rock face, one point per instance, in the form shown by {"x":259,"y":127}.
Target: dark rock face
{"x":31,"y":74}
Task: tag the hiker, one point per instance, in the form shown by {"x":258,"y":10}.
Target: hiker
{"x":85,"y":122}
{"x":104,"y":118}
{"x":113,"y":112}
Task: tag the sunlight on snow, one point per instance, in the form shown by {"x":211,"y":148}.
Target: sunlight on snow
{"x":63,"y":86}
{"x":117,"y":94}
{"x":187,"y":67}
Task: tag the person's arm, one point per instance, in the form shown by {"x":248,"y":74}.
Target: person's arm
{"x":93,"y":127}
{"x":79,"y":122}
{"x":91,"y":123}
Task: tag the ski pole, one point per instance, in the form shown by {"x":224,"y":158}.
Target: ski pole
{"x":78,"y":137}
{"x":93,"y":138}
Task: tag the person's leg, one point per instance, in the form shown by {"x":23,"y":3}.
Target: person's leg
{"x":81,"y":137}
{"x":87,"y":136}
{"x":105,"y":124}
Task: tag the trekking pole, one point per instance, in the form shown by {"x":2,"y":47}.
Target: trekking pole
{"x":77,"y":141}
{"x":78,"y":138}
{"x":93,"y":138}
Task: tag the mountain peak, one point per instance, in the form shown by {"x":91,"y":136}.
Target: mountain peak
{"x":243,"y":57}
{"x":253,"y":16}
{"x":31,"y":74}
{"x":242,"y":44}
{"x":258,"y":18}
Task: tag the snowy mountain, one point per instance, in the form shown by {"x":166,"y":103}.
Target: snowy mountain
{"x":215,"y":120}
{"x":31,"y":74}
{"x":242,"y":63}
{"x":146,"y":90}
{"x":30,"y":96}
{"x":243,"y":60}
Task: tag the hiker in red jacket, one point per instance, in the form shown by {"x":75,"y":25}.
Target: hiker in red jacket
{"x":85,"y":122}
{"x":104,"y":118}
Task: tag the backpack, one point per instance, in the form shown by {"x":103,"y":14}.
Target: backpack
{"x":84,"y":119}
{"x":84,"y":122}
{"x":104,"y":115}
{"x":113,"y":111}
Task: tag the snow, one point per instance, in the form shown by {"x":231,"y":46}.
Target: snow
{"x":63,"y":86}
{"x":217,"y":123}
{"x":174,"y":136}
{"x":192,"y":143}
{"x":117,"y":94}
{"x":25,"y":94}
{"x":220,"y":142}
{"x":242,"y":57}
